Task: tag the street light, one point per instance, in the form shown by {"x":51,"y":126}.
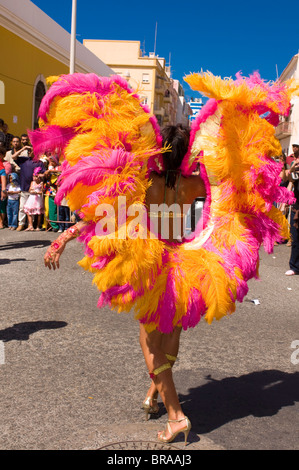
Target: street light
{"x":73,"y":37}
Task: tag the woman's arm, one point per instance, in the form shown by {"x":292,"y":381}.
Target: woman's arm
{"x":51,"y":258}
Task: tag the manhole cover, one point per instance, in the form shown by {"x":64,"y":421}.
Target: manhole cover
{"x":138,"y":445}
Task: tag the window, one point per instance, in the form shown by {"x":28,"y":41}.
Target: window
{"x":145,"y":78}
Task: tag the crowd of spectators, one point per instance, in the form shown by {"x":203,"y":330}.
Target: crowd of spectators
{"x":28,"y":187}
{"x":290,"y":178}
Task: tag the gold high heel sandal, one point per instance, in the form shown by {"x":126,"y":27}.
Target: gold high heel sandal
{"x":162,"y":436}
{"x":149,"y":407}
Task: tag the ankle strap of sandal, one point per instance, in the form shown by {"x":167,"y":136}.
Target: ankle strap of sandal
{"x":177,"y":420}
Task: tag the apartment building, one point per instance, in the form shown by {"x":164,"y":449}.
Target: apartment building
{"x":149,"y":75}
{"x":287,"y":130}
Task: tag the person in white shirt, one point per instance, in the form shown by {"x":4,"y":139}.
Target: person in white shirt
{"x":17,"y":151}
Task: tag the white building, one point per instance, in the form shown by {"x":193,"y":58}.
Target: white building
{"x":195,"y":106}
{"x":183,"y":109}
{"x":287,"y":131}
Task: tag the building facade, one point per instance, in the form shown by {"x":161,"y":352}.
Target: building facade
{"x":34,"y":47}
{"x":196,"y":104}
{"x":148,"y":75}
{"x":287,"y":130}
{"x":183,"y":111}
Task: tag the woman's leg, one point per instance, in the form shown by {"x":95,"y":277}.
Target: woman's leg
{"x":170,"y":345}
{"x":151,"y":345}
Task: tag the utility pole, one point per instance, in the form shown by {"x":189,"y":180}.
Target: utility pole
{"x":73,"y":37}
{"x":155,"y":39}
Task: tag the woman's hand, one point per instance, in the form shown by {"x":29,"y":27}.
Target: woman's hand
{"x":51,"y":258}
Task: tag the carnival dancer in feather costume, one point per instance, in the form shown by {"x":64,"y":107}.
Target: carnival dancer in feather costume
{"x":117,"y":163}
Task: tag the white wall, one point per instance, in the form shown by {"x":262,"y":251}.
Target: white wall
{"x":292,"y":71}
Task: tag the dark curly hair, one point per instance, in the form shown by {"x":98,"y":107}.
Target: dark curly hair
{"x":178,"y":138}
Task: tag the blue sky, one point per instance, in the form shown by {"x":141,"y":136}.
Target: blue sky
{"x":224,"y":37}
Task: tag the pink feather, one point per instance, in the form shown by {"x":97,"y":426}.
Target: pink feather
{"x":50,"y":139}
{"x":91,"y":170}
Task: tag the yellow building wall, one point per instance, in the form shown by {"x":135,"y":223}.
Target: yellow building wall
{"x":21,"y":64}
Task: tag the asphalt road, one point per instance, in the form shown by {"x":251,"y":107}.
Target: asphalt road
{"x":73,"y":376}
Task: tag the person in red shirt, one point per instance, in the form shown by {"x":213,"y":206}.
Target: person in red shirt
{"x":294,"y":155}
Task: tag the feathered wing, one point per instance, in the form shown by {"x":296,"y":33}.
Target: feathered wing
{"x":106,"y":140}
{"x":234,"y":141}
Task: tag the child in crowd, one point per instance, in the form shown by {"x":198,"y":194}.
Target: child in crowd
{"x":13,"y":198}
{"x":34,"y":204}
{"x":51,"y":176}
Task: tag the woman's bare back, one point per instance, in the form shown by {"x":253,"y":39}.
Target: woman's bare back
{"x":177,"y":199}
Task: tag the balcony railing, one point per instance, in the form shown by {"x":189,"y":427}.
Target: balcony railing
{"x":284,"y":129}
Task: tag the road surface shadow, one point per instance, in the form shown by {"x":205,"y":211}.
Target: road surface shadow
{"x":22,"y":331}
{"x":8,"y":261}
{"x":261,"y":393}
{"x":25,"y":244}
